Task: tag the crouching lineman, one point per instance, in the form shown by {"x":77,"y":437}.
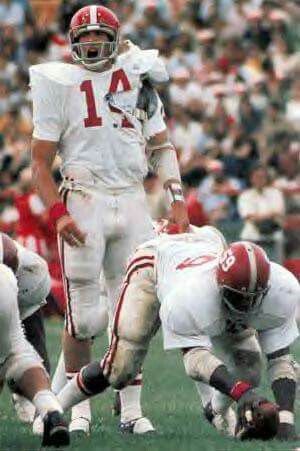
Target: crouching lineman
{"x":23,"y":279}
{"x":204,"y":293}
{"x":33,"y":287}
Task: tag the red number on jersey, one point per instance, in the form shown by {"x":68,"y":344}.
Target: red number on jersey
{"x":117,"y":77}
{"x":92,"y":120}
{"x":197,"y":261}
{"x":86,"y":86}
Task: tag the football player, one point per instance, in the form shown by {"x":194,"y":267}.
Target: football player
{"x":25,"y":283}
{"x":205,"y":293}
{"x":106,"y":121}
{"x":33,"y":280}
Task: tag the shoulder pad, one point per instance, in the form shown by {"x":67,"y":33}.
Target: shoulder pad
{"x":144,"y":62}
{"x":62,"y":73}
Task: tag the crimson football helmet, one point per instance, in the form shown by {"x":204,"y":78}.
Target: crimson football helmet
{"x":93,"y":54}
{"x":243,"y":276}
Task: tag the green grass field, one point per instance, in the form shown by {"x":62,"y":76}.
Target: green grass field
{"x":170,"y":400}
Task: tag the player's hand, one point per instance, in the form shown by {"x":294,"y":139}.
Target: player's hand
{"x":257,"y":417}
{"x":224,"y":422}
{"x":69,"y":231}
{"x":179,"y":216}
{"x":286,"y":432}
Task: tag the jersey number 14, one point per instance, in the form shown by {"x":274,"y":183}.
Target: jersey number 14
{"x":93,"y":119}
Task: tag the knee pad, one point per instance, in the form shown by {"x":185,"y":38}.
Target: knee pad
{"x":87,"y":314}
{"x":282,"y":367}
{"x":200,"y":364}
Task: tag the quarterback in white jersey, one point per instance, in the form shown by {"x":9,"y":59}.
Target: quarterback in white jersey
{"x":205,"y":293}
{"x":25,"y":283}
{"x":105,"y":120}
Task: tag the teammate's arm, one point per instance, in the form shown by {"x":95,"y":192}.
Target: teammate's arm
{"x":282,"y":375}
{"x":165,"y":164}
{"x":43,"y":154}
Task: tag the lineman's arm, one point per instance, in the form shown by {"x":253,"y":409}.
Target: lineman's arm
{"x":43,"y":154}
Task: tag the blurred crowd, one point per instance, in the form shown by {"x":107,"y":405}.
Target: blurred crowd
{"x":232,"y":106}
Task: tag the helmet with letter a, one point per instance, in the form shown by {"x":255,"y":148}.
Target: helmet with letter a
{"x":95,"y":52}
{"x":243,"y":275}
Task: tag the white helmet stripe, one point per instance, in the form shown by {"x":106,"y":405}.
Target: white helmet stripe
{"x":253,"y":268}
{"x":93,"y":14}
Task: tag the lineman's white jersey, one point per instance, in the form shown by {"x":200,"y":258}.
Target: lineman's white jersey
{"x":192,"y":312}
{"x":32,"y":277}
{"x":93,"y":117}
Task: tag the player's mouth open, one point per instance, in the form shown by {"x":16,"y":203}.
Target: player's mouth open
{"x":92,"y":53}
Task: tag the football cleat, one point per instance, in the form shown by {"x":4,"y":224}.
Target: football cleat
{"x":80,"y":426}
{"x":25,"y":410}
{"x":138,"y":426}
{"x":56,"y":431}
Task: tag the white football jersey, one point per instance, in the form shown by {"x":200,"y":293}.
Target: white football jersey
{"x":93,"y":117}
{"x":192,"y":311}
{"x":33,"y":279}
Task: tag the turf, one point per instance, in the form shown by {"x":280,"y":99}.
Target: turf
{"x":169,"y":399}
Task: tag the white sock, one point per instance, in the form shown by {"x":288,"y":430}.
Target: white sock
{"x":45,"y":401}
{"x":59,"y":379}
{"x":71,"y":395}
{"x":130,"y":398}
{"x":82,"y":410}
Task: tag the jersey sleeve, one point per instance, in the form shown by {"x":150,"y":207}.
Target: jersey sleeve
{"x":47,"y":107}
{"x":156,"y":123}
{"x":272,"y":340}
{"x":281,"y":303}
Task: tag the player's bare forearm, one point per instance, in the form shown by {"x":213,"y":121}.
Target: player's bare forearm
{"x":43,"y":154}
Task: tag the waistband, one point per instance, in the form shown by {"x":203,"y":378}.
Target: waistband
{"x":78,"y":179}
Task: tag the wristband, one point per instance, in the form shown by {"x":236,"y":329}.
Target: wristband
{"x":57,"y":211}
{"x":239,"y":389}
{"x":174,"y":192}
